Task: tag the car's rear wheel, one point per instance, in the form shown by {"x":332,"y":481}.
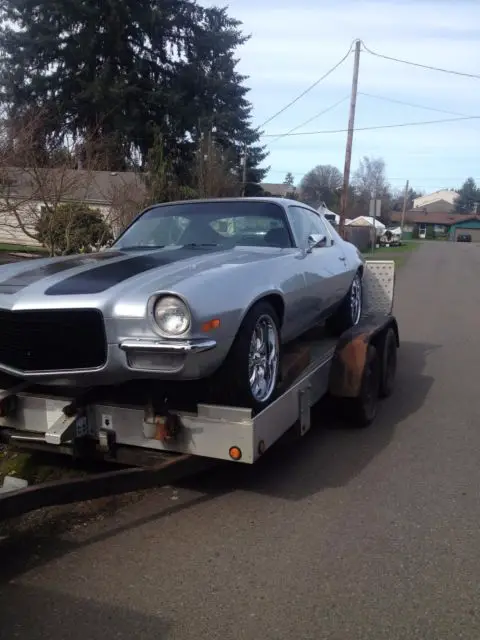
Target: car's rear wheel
{"x":350,"y":310}
{"x":250,"y":374}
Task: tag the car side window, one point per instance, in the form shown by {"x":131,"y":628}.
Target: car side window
{"x":305,"y":222}
{"x":319,"y":226}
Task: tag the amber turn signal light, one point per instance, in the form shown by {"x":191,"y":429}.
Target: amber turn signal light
{"x":210,"y":325}
{"x":235,"y":453}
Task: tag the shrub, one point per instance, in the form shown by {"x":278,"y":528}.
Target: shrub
{"x":72,"y":228}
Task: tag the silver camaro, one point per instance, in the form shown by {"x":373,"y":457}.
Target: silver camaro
{"x":190,"y":290}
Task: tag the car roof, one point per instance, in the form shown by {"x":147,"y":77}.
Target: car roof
{"x":282,"y":201}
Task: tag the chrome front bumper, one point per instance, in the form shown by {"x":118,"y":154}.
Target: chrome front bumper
{"x":168,"y":346}
{"x":170,"y":358}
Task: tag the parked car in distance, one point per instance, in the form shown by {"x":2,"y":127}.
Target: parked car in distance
{"x":190,"y":290}
{"x":464,"y":237}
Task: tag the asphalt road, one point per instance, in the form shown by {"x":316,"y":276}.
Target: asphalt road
{"x":347,"y":536}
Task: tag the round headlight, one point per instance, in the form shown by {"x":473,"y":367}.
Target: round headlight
{"x":171,"y":315}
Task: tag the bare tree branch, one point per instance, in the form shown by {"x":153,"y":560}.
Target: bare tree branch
{"x":214,"y":171}
{"x":36,"y":179}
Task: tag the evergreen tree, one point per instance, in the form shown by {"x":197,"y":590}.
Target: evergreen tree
{"x":468,"y":197}
{"x":125,"y":73}
{"x":211,"y":93}
{"x":89,"y":65}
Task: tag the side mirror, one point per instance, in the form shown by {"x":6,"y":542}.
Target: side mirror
{"x":316,"y":240}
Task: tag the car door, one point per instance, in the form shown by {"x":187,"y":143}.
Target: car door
{"x":325,"y":267}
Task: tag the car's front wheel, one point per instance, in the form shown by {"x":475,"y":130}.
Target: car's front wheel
{"x":350,"y":310}
{"x":250,"y":374}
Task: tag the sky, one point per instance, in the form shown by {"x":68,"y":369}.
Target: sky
{"x":293,"y":43}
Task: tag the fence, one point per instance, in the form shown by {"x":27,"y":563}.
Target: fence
{"x":360,"y":236}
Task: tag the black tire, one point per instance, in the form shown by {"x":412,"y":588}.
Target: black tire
{"x":343,"y":318}
{"x":361,"y":411}
{"x":389,"y":364}
{"x":230,"y":384}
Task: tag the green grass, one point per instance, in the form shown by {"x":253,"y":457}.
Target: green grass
{"x":36,"y":467}
{"x":398,"y":254}
{"x":22,"y":248}
{"x":24,"y":465}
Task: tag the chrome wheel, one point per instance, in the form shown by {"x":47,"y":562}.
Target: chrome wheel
{"x":263,"y":359}
{"x":356,"y":300}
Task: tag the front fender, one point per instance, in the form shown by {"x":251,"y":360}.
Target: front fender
{"x":260,"y":295}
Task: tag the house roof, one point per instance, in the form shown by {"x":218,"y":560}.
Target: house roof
{"x":94,"y":187}
{"x":368,"y":220}
{"x":423,"y":217}
{"x":70,"y":185}
{"x":430,"y":198}
{"x":279,"y":190}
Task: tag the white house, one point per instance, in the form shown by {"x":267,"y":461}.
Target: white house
{"x":25,"y":192}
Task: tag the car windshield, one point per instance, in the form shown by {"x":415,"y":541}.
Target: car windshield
{"x":194,"y":224}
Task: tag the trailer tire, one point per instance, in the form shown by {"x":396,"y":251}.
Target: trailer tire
{"x":389,"y":364}
{"x":361,"y":411}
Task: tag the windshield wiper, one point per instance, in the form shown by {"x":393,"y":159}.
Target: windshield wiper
{"x":201,"y":244}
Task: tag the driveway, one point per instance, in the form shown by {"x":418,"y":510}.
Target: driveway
{"x":349,"y":535}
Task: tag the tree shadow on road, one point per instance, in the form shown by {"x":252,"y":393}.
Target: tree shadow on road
{"x":24,"y":615}
{"x":330,"y":455}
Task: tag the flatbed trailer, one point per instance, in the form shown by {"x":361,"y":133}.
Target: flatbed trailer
{"x":162,"y":440}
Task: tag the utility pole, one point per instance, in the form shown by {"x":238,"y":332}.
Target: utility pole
{"x":404,"y":209}
{"x":374,"y":217}
{"x":348,"y":149}
{"x":244,"y":170}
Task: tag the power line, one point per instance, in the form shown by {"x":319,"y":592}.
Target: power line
{"x":317,"y":115}
{"x":410,"y":104}
{"x":440,"y":179}
{"x":417,"y":64}
{"x":384,"y":126}
{"x":308,"y":89}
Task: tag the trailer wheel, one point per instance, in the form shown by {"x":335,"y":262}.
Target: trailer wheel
{"x":362,"y":410}
{"x":389,"y":364}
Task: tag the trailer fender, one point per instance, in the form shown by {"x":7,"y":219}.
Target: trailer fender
{"x":346,"y":373}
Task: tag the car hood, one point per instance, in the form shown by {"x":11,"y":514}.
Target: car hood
{"x":112,"y":273}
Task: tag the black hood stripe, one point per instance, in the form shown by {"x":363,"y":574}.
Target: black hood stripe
{"x":10,"y":288}
{"x":106,"y":276}
{"x":27,"y":278}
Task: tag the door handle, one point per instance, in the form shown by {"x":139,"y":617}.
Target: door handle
{"x":342,"y":258}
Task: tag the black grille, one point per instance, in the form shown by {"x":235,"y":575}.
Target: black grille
{"x":52,"y":340}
